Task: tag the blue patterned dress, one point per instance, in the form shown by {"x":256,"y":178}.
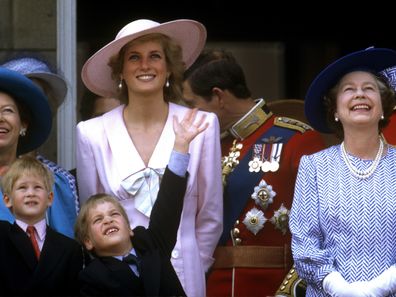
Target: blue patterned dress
{"x":339,"y":222}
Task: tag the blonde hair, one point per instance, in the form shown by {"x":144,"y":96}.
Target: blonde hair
{"x":26,"y":165}
{"x":81,"y":225}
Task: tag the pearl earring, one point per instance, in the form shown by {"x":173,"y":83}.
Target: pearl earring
{"x":336,"y":119}
{"x":22,"y":132}
{"x":120,"y":85}
{"x":167,"y":83}
{"x":382,"y":117}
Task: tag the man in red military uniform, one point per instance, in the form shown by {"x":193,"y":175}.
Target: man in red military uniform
{"x":389,"y":132}
{"x":261,"y":157}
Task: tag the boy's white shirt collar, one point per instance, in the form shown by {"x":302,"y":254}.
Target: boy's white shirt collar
{"x":41,"y":228}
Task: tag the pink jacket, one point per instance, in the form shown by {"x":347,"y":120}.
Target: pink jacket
{"x":106,"y":156}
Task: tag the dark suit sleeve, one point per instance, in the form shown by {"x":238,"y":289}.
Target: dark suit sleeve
{"x":166,"y":213}
{"x":70,"y":263}
{"x":4,"y":230}
{"x":91,"y":279}
{"x":76,"y":264}
{"x":88,"y":289}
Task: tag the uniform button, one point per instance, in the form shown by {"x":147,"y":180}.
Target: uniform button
{"x":175,"y":254}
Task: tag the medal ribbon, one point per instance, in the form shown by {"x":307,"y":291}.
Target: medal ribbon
{"x":240,"y":183}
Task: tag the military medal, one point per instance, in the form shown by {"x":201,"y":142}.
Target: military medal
{"x":281,"y":219}
{"x":254,"y":220}
{"x":263,"y":194}
{"x":266,"y":156}
{"x":255,"y":165}
{"x":266,"y":164}
{"x":274,"y":166}
{"x":265,"y":167}
{"x":270,"y":153}
{"x":275,"y":156}
{"x":231,"y":161}
{"x":256,"y":162}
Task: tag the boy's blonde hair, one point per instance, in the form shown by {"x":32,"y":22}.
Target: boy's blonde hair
{"x":26,"y":165}
{"x":81,"y":225}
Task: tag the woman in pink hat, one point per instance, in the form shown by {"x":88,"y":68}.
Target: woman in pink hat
{"x":125,"y":151}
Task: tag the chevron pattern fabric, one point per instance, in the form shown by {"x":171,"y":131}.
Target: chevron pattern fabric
{"x":339,"y":222}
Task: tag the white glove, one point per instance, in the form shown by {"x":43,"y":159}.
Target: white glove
{"x":335,"y":285}
{"x":364,"y":289}
{"x":384,"y":284}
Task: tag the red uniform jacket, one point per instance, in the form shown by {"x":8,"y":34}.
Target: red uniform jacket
{"x":389,"y":131}
{"x":264,"y":255}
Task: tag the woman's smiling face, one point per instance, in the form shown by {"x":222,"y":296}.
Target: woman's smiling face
{"x":358,"y":100}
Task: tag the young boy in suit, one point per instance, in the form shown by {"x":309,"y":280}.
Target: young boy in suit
{"x":103,"y":227}
{"x":35,"y":259}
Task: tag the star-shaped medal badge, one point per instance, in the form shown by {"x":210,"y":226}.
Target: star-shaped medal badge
{"x":254,"y":220}
{"x":281,"y":219}
{"x":263,"y":194}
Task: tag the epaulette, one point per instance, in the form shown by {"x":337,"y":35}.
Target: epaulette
{"x":292,"y":285}
{"x":292,"y":124}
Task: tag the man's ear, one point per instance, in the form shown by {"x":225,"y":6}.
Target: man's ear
{"x":218,"y":95}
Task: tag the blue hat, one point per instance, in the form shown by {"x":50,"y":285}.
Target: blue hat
{"x":390,"y":74}
{"x":26,"y":93}
{"x":35,"y":68}
{"x":371,"y":59}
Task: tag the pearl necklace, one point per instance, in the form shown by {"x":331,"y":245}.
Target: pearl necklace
{"x":362,"y":174}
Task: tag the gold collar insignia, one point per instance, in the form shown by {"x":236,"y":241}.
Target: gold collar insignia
{"x":251,"y":121}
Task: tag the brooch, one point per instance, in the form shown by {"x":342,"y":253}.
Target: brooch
{"x":263,"y":194}
{"x":254,"y":220}
{"x":281,"y":219}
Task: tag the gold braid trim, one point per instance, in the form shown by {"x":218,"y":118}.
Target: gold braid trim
{"x":292,"y":124}
{"x":292,"y":285}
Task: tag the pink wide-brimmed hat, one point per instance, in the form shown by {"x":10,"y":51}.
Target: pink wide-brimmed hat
{"x":96,"y":74}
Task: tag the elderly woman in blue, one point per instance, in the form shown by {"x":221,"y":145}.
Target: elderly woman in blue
{"x":25,"y":121}
{"x":343,"y":217}
{"x":62,"y":213}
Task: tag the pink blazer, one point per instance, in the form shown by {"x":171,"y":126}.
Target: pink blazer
{"x":106,"y":156}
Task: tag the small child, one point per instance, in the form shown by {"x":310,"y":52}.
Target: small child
{"x":103,"y":228}
{"x":44,"y":263}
